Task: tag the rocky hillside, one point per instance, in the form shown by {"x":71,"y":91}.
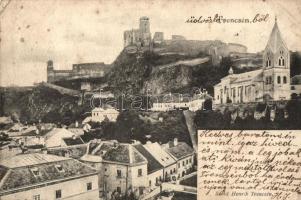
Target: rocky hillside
{"x":40,"y":103}
{"x":134,"y":73}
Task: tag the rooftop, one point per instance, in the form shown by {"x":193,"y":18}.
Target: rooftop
{"x":255,"y":75}
{"x":275,"y":39}
{"x":73,"y":141}
{"x":72,"y":151}
{"x":296,"y":80}
{"x":180,"y":151}
{"x":31,"y":170}
{"x":159,"y":154}
{"x":108,"y":110}
{"x":124,"y":153}
{"x":113,"y":151}
{"x":30,"y":159}
{"x":152,"y":165}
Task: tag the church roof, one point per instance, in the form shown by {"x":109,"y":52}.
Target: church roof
{"x":255,"y":76}
{"x":275,"y":40}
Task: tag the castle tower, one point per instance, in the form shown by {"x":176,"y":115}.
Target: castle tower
{"x":50,"y":71}
{"x":276,"y":63}
{"x":144,"y":28}
{"x":49,"y":65}
{"x":144,"y":25}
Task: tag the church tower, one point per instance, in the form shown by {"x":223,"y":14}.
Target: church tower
{"x":276,"y":64}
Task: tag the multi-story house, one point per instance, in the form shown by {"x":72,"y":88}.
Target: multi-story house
{"x":155,"y":171}
{"x":43,"y":176}
{"x":183,"y":154}
{"x":122,"y":168}
{"x":165,"y":159}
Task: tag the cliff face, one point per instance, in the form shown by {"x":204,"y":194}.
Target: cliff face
{"x":135,"y":73}
{"x":173,"y":66}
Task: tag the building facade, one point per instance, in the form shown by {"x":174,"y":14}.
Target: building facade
{"x":122,"y":168}
{"x":100,"y":114}
{"x":155,"y":171}
{"x":78,"y":71}
{"x":165,"y":159}
{"x":186,"y":103}
{"x":271,"y":82}
{"x":183,"y":154}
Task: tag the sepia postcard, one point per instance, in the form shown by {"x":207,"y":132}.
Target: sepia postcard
{"x":150,"y":100}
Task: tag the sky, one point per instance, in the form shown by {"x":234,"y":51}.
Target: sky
{"x":78,"y":31}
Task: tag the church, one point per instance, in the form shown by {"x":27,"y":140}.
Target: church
{"x":271,"y":82}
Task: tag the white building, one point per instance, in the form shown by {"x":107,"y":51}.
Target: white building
{"x":272,"y":82}
{"x":61,"y":137}
{"x":42,"y":176}
{"x":100,"y":114}
{"x":122,"y":168}
{"x":155,"y":171}
{"x":186,"y":103}
{"x":166,"y":160}
{"x":183,"y":154}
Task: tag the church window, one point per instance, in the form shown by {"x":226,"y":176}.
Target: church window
{"x":281,"y":61}
{"x":268,"y":62}
{"x":267,"y":80}
{"x":284,"y":80}
{"x":278,"y":79}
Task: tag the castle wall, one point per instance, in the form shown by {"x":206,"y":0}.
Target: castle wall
{"x":84,"y":70}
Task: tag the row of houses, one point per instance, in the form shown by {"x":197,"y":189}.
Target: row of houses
{"x":67,"y":168}
{"x":136,"y":167}
{"x":174,"y":102}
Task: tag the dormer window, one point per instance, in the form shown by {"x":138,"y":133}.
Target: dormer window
{"x":35,"y":171}
{"x":59,"y":168}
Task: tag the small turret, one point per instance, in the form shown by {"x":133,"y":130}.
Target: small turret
{"x":49,"y":65}
{"x":50,"y":71}
{"x":230,"y":71}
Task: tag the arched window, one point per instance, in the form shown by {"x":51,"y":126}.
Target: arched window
{"x":278,"y":79}
{"x":284,"y":80}
{"x":268,"y":62}
{"x":281,"y":61}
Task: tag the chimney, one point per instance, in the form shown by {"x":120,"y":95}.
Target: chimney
{"x":115,"y":144}
{"x":135,"y":142}
{"x":175,"y":142}
{"x":76,"y":124}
